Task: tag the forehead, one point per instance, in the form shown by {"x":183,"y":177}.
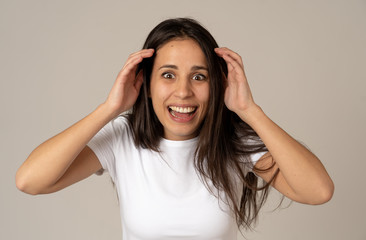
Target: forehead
{"x":180,"y":51}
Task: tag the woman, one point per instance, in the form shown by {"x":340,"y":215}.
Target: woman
{"x":187,"y":156}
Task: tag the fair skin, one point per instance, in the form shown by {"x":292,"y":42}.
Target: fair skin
{"x":65,"y":158}
{"x":302,"y":176}
{"x":179,"y":88}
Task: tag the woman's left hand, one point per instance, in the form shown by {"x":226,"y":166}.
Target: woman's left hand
{"x":238,"y":97}
{"x":302,"y":177}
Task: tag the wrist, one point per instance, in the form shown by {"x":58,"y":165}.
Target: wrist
{"x":251,"y":114}
{"x":107,"y":111}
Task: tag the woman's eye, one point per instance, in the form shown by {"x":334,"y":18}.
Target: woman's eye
{"x":168,"y":75}
{"x":199,"y":77}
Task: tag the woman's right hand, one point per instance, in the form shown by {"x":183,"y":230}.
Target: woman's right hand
{"x":65,"y":159}
{"x":127,"y":86}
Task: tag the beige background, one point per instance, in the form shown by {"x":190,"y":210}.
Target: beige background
{"x":305,"y":61}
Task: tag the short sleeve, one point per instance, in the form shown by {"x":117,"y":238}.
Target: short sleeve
{"x":256,"y":144}
{"x":256,"y":156}
{"x":254,"y":159}
{"x":103,"y":145}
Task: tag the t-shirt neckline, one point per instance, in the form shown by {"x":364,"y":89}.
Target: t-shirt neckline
{"x":178,"y":143}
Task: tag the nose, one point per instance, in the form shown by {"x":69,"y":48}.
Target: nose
{"x":183,"y":88}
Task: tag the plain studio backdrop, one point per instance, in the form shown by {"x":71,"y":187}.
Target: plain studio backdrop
{"x":305,"y":62}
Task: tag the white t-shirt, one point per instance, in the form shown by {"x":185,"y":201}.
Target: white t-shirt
{"x":161,"y":195}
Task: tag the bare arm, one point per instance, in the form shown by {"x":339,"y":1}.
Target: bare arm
{"x":302,"y":176}
{"x":64,"y":159}
{"x":50,"y":160}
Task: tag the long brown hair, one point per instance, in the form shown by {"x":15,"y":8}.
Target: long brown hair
{"x":225,"y":142}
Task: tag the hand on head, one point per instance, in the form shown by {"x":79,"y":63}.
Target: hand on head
{"x":238,"y":97}
{"x":127,"y":86}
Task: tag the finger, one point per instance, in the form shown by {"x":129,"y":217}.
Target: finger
{"x":228,"y":60}
{"x":137,"y":57}
{"x":130,"y":65}
{"x":134,"y":60}
{"x":234,"y":55}
{"x":143,"y":53}
{"x":223,"y":50}
{"x":233,"y":65}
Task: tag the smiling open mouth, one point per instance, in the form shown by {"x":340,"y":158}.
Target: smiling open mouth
{"x":184,"y":113}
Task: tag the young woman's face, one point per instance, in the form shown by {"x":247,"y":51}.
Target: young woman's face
{"x":179,"y":88}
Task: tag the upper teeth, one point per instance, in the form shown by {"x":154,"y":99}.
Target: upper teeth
{"x":182,"y":109}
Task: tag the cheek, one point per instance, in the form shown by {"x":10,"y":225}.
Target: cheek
{"x":204,"y":93}
{"x":158,"y":94}
{"x":154,"y":89}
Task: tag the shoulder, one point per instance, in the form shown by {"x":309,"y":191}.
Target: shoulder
{"x":113,"y":133}
{"x":119,"y":122}
{"x":119,"y":126}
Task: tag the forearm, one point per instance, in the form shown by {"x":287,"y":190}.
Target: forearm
{"x":50,"y":160}
{"x":301,"y":169}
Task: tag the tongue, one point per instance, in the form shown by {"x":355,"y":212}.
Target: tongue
{"x":181,"y":115}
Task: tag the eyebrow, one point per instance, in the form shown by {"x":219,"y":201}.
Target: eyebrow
{"x":193,"y":68}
